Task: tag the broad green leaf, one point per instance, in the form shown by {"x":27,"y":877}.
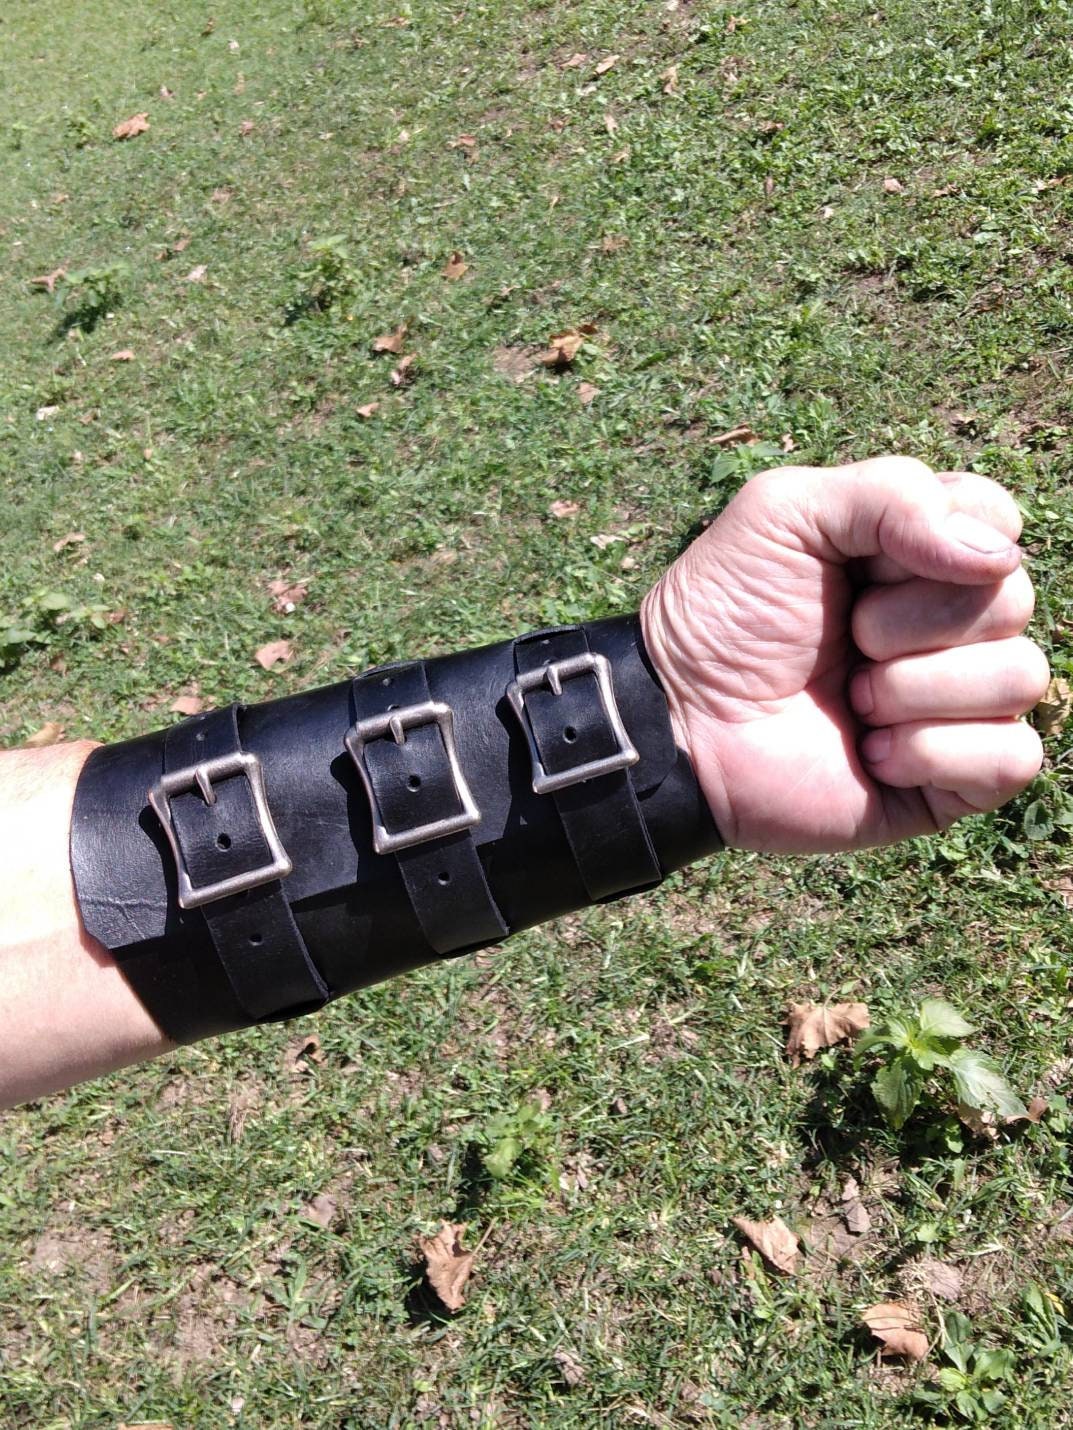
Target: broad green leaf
{"x":939,"y":1019}
{"x":993,"y":1365}
{"x":502,"y":1157}
{"x":992,"y":1399}
{"x":897,"y":1089}
{"x":969,"y":1406}
{"x":952,"y":1380}
{"x":980,"y":1084}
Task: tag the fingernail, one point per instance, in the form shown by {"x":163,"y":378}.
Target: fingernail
{"x":876,"y":746}
{"x":977,"y":535}
{"x":860,"y":693}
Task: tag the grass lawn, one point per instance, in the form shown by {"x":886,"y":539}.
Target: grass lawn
{"x":846,"y":228}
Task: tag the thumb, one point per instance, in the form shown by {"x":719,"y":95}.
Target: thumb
{"x":897,"y":507}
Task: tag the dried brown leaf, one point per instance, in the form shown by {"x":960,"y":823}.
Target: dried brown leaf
{"x":854,"y":1210}
{"x":196,"y":275}
{"x":49,"y":734}
{"x":48,"y":281}
{"x":123,"y":355}
{"x":586,"y":393}
{"x":455,"y":267}
{"x":165,"y":92}
{"x":610,"y":123}
{"x":447,"y":1266}
{"x":391,"y":342}
{"x":608,"y":62}
{"x":403,"y":373}
{"x":288,"y":595}
{"x":1054,"y":709}
{"x":73,"y":538}
{"x":621,"y":155}
{"x":575,"y":61}
{"x":321,"y":1209}
{"x":981,"y":1121}
{"x":187,"y":705}
{"x":1032,"y":1113}
{"x":820,"y":1025}
{"x":246,"y":127}
{"x":562,"y":509}
{"x":612,"y":242}
{"x":563,"y":348}
{"x":669,"y":78}
{"x":273,"y":654}
{"x":464,"y":141}
{"x":570,"y":1368}
{"x":892,"y":186}
{"x":897,"y":1328}
{"x":736,"y":437}
{"x":774,"y":1240}
{"x":941,"y":1279}
{"x":130,"y":128}
{"x":368,"y":409}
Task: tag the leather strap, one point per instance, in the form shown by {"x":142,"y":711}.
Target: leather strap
{"x":413,"y":786}
{"x":601,"y":816}
{"x":255,"y":935}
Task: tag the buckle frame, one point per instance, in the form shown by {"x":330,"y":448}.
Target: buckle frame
{"x":552,"y":675}
{"x":201,"y":776}
{"x":396,"y":723}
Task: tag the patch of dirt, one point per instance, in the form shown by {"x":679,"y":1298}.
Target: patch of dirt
{"x":517,"y":362}
{"x":86,"y":1251}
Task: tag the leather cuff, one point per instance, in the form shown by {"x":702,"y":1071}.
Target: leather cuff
{"x":251,"y":863}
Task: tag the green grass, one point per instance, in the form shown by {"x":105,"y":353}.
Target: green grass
{"x":156,"y":1264}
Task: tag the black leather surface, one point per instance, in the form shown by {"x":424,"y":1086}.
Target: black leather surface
{"x":414,"y":786}
{"x":601,"y":816}
{"x":351,"y":905}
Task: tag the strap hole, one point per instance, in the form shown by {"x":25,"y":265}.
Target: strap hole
{"x":569,"y":734}
{"x":256,"y":938}
{"x":223,"y":841}
{"x":414,"y":782}
{"x":443,"y":877}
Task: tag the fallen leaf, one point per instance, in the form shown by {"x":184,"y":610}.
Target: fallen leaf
{"x":608,"y":62}
{"x":787,"y":443}
{"x":1032,"y":1113}
{"x":447,"y":1266}
{"x":196,"y":275}
{"x":136,"y":124}
{"x":561,"y":509}
{"x":48,"y":281}
{"x":854,"y":1210}
{"x":897,"y":1328}
{"x":288,"y":595}
{"x":219,"y":196}
{"x":820,"y":1025}
{"x":610,"y":123}
{"x":736,"y":437}
{"x":981,"y":1121}
{"x":604,"y":539}
{"x":620,"y":155}
{"x":1054,"y":709}
{"x":49,"y":734}
{"x":563,"y":348}
{"x":455,"y":267}
{"x":575,"y":61}
{"x":586,"y":392}
{"x":769,"y":186}
{"x":892,"y":186}
{"x":71,"y":539}
{"x":273,"y":654}
{"x":612,"y":242}
{"x":246,"y":127}
{"x":303,"y":1049}
{"x":670,"y":79}
{"x":403,"y":373}
{"x":44,"y":413}
{"x":368,"y":409}
{"x":321,"y":1209}
{"x":464,"y":141}
{"x":941,"y":1279}
{"x":165,"y":92}
{"x":774,"y":1240}
{"x":187,"y":705}
{"x":390,"y":342}
{"x":123,"y":355}
{"x":570,"y":1368}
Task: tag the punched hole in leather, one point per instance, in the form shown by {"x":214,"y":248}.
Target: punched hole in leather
{"x":420,"y":806}
{"x":601,"y":816}
{"x":221,"y":838}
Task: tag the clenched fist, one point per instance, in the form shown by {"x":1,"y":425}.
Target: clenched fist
{"x":843,"y":654}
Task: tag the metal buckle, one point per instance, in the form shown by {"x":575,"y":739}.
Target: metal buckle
{"x":396,"y":723}
{"x":202,"y":775}
{"x":552,"y":675}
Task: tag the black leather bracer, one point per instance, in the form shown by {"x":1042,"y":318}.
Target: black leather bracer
{"x":251,"y":863}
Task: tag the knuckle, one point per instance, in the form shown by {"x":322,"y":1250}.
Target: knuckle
{"x":1017,"y":599}
{"x":894,"y":469}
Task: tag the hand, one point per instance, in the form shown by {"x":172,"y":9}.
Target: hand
{"x":843,"y":655}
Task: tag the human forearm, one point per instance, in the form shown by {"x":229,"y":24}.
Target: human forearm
{"x":66,"y":1012}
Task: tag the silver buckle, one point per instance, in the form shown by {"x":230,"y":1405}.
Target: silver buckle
{"x":202,"y":775}
{"x":552,"y":675}
{"x":396,"y":723}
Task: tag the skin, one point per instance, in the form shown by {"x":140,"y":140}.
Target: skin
{"x":843,"y":657}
